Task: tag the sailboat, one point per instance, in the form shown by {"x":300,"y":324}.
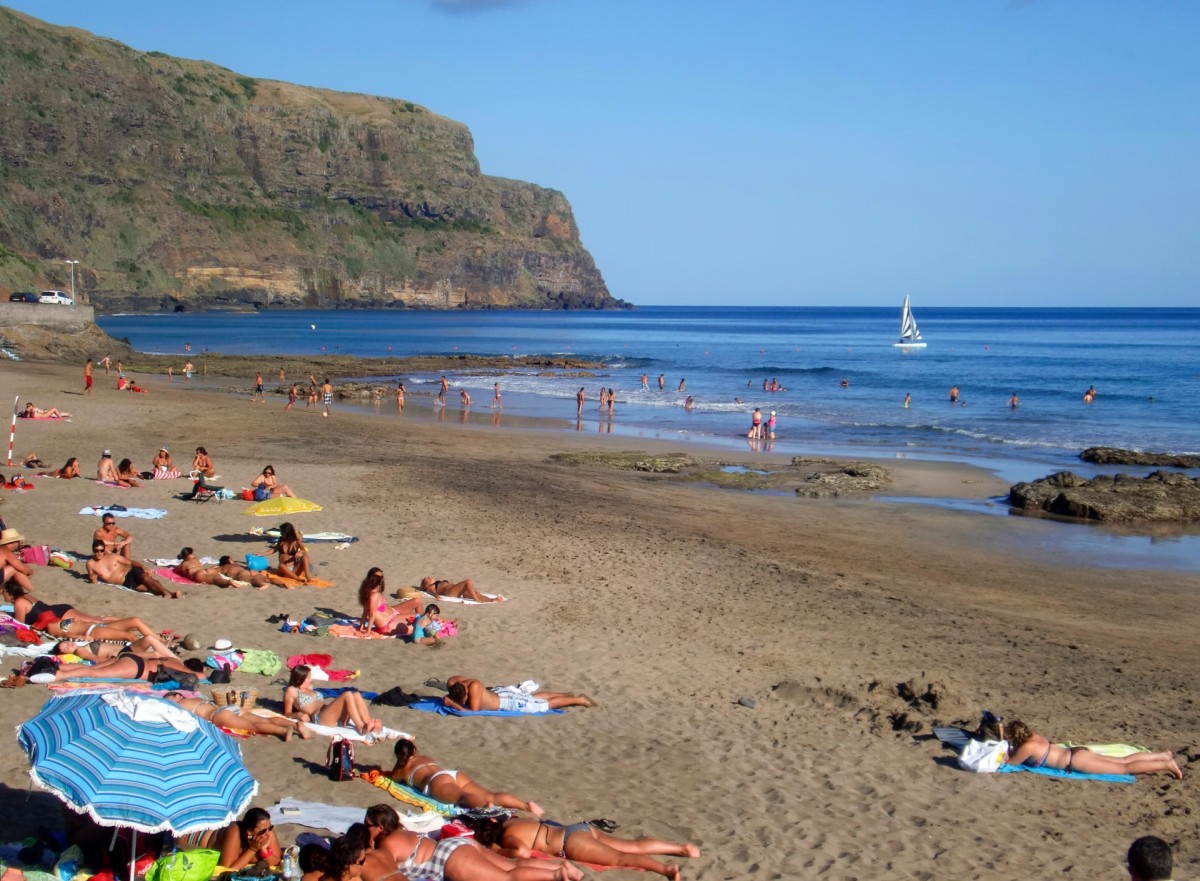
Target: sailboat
{"x":910,"y":337}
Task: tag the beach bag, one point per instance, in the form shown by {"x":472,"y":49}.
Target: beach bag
{"x":340,"y":759}
{"x":983,"y":756}
{"x":257,"y":563}
{"x":184,"y":865}
{"x":35,"y":555}
{"x":261,"y":493}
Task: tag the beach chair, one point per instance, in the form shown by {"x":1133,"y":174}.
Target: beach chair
{"x":203,"y":492}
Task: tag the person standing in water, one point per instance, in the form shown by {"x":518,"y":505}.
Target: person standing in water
{"x":496,"y":396}
{"x":907,"y":400}
{"x":1014,"y":402}
{"x":580,"y":396}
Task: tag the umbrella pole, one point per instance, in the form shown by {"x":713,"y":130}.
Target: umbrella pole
{"x":133,"y":856}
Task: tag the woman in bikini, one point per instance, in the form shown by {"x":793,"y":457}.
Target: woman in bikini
{"x":127,"y":475}
{"x":130,"y":665}
{"x":449,"y":786}
{"x":398,"y":852}
{"x":293,"y":555}
{"x":64,"y":621}
{"x":1027,"y":747}
{"x":164,"y":465}
{"x":348,"y":708}
{"x":32,"y":412}
{"x":268,"y":480}
{"x":190,"y":567}
{"x":67,"y":472}
{"x":517,"y":837}
{"x":377,"y":615}
{"x":202,"y":463}
{"x":240,"y":719}
{"x":244,"y":843}
{"x":464,"y":590}
{"x":241,"y":576}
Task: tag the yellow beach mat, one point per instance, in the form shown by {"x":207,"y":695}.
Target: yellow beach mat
{"x":279,"y":506}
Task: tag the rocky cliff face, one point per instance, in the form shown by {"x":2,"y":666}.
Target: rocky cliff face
{"x":177,"y":183}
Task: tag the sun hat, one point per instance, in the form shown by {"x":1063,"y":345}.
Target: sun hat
{"x":9,"y":536}
{"x":163,"y":450}
{"x":222,"y":645}
{"x":107,"y":453}
{"x":772,"y":412}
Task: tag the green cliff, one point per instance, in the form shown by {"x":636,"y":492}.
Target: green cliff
{"x":179,"y":184}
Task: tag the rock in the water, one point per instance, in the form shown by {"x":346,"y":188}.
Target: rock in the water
{"x":851,"y":477}
{"x":1160,"y":497}
{"x":1116,"y":456}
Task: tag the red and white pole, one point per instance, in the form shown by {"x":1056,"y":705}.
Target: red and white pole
{"x":13,"y":433}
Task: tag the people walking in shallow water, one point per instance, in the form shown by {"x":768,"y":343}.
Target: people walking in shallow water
{"x":580,"y":397}
{"x":771,"y":426}
{"x":612,"y":400}
{"x":645,"y":382}
{"x":755,"y":424}
{"x":441,"y":395}
{"x":400,"y":392}
{"x":953,"y":394}
{"x":662,"y":381}
{"x":464,"y":399}
{"x":496,"y":396}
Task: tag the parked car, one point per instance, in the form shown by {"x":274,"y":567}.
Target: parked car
{"x":22,"y":297}
{"x":59,"y":297}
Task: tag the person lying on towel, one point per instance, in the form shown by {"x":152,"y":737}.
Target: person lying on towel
{"x":464,"y":693}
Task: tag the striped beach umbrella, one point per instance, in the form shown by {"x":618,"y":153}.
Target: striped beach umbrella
{"x":136,"y":762}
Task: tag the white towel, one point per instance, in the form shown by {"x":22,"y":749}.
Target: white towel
{"x":153,"y":709}
{"x":338,"y":820}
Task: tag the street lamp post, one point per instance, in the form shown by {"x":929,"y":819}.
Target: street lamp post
{"x":72,"y":264}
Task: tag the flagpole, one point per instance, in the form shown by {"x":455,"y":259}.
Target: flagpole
{"x":12,"y":434}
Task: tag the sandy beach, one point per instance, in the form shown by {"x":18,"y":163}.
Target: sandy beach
{"x":666,"y":603}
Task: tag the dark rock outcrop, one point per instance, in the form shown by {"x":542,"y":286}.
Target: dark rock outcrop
{"x":1160,"y":497}
{"x":1117,"y":456}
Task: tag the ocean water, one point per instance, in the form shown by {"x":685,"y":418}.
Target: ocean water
{"x":1144,"y":364}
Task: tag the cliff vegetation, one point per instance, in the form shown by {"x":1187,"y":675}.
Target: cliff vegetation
{"x":179,"y":184}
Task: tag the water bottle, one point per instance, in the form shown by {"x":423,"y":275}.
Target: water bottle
{"x":290,"y":870}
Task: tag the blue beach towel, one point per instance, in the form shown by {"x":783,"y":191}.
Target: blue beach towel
{"x":1069,"y":775}
{"x":436,"y":705}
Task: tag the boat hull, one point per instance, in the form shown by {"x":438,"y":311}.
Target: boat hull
{"x":908,"y":345}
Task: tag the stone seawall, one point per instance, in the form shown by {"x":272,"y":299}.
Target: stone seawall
{"x":71,"y":319}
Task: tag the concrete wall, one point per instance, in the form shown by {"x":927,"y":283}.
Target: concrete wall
{"x":47,"y":315}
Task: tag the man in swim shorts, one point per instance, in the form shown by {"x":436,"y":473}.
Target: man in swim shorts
{"x":327,"y":393}
{"x":464,"y":693}
{"x":112,"y":568}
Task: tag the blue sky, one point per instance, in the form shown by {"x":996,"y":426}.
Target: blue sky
{"x":1007,"y":152}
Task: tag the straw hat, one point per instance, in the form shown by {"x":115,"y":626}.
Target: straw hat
{"x":222,"y":645}
{"x":10,"y":536}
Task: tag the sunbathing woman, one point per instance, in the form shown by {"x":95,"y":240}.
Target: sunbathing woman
{"x":273,"y":486}
{"x":464,"y":590}
{"x":99,"y":651}
{"x":1027,"y":747}
{"x":240,"y":719}
{"x":377,"y":614}
{"x":449,"y":786}
{"x":127,"y":666}
{"x":242,"y":574}
{"x":517,"y":837}
{"x":348,"y":708}
{"x":32,"y":412}
{"x":456,"y":859}
{"x":243,"y":843}
{"x":62,"y":620}
{"x":164,"y":465}
{"x":190,"y":567}
{"x":203,"y":464}
{"x":127,"y":475}
{"x":68,"y":471}
{"x":293,"y":556}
